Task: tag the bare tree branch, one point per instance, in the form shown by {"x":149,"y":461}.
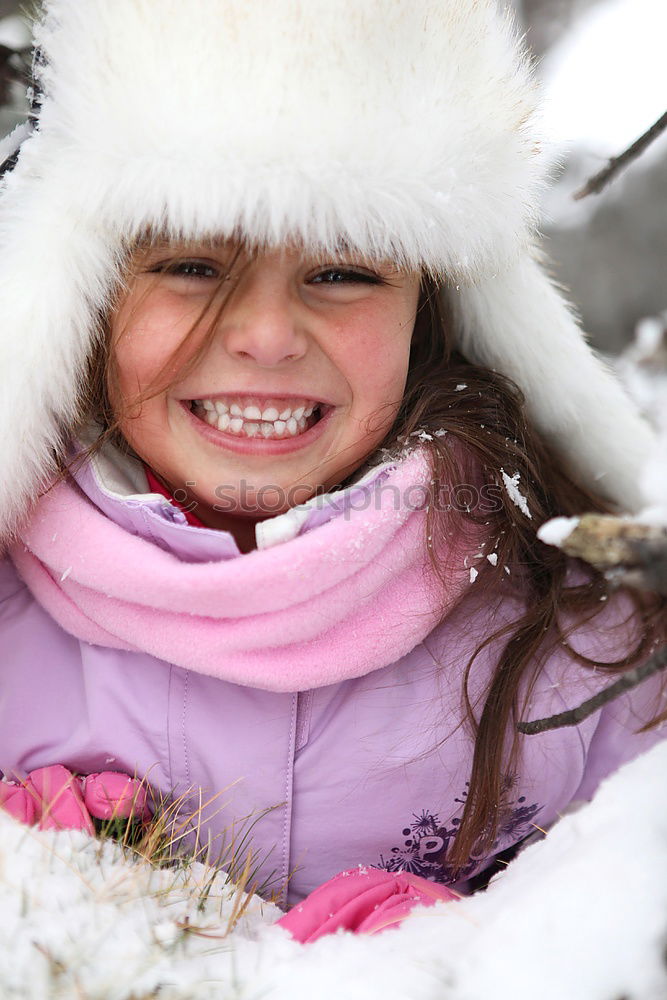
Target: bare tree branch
{"x":573,"y":716}
{"x":630,"y":554}
{"x":597,"y":183}
{"x":14,"y":68}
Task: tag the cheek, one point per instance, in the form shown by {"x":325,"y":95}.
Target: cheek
{"x":144,"y":340}
{"x":377,"y":354}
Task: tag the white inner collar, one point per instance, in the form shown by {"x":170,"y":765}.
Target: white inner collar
{"x":123,"y":478}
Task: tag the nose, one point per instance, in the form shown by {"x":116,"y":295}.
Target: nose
{"x":262,"y":321}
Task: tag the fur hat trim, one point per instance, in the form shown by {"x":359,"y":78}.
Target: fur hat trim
{"x":403,"y":129}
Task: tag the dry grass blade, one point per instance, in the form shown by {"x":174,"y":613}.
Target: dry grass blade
{"x":242,"y":896}
{"x":172,"y":838}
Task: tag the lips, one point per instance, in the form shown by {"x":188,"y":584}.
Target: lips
{"x":231,"y":422}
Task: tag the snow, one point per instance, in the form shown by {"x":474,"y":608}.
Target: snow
{"x":11,"y":142}
{"x":587,"y":74}
{"x":512,"y":486}
{"x":604,"y":85}
{"x":14,"y":32}
{"x":643,"y":369}
{"x":649,"y":335}
{"x":555,"y":531}
{"x":82,"y":918}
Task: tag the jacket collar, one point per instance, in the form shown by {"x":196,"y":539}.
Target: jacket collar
{"x":117,"y":484}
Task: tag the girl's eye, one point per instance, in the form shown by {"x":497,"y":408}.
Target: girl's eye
{"x":198,"y":269}
{"x":345,"y":276}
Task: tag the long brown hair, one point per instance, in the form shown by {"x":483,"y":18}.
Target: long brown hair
{"x":485,"y":411}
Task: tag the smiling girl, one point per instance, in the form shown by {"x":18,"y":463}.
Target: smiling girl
{"x":282,"y":397}
{"x":286,"y":396}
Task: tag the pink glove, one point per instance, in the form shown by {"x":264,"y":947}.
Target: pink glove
{"x":363,"y":900}
{"x":59,"y":800}
{"x":15,"y":800}
{"x":112,"y":795}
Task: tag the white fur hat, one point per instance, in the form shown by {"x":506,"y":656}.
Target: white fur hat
{"x":405,"y":127}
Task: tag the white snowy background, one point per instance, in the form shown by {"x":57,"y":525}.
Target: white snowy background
{"x":581,"y":915}
{"x":604,"y":71}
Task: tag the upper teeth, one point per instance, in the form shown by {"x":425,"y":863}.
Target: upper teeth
{"x":251,"y":420}
{"x":254,"y":412}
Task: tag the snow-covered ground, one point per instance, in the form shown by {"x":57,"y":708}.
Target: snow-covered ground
{"x":581,"y":915}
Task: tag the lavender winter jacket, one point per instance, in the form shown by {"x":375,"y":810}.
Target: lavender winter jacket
{"x":372,"y":770}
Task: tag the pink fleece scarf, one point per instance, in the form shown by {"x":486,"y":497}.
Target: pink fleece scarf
{"x":348,"y":597}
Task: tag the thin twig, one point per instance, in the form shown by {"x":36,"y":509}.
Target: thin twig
{"x":596,"y":183}
{"x":573,"y":716}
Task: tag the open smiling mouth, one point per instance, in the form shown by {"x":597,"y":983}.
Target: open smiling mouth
{"x":250,"y":418}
